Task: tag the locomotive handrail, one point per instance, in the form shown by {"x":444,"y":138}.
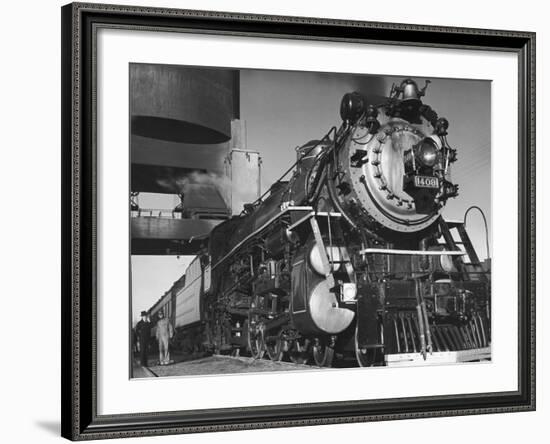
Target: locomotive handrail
{"x":412,"y":252}
{"x":311,"y":214}
{"x":263,"y":227}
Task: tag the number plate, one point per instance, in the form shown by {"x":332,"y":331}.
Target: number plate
{"x":426,"y":182}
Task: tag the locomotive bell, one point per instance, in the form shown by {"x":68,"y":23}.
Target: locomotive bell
{"x":352,"y":107}
{"x":410,"y":90}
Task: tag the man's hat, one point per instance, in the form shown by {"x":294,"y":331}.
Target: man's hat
{"x":143,"y":313}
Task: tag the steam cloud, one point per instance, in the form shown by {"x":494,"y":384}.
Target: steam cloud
{"x":221,"y":182}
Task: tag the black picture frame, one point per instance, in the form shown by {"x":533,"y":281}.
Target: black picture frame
{"x":79,"y":171}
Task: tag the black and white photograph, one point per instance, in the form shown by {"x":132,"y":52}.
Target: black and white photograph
{"x":305,"y":221}
{"x":275,"y":222}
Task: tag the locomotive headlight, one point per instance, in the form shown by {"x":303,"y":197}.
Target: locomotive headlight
{"x":423,"y":156}
{"x":349,"y":292}
{"x":427,"y":152}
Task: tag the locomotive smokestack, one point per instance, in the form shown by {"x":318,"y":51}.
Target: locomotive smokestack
{"x":373,"y":89}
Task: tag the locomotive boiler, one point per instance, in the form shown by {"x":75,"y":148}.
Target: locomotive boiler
{"x":350,"y":258}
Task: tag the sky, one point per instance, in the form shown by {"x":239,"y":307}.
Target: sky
{"x":284,"y":109}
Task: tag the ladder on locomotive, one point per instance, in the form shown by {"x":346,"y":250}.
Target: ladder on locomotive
{"x":465,"y":241}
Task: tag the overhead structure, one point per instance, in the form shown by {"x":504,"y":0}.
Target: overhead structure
{"x":180,"y":131}
{"x":243,"y":169}
{"x":183,"y":104}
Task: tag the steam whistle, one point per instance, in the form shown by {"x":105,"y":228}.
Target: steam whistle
{"x":422,"y":92}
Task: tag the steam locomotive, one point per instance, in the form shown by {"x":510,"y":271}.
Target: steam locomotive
{"x":350,"y":259}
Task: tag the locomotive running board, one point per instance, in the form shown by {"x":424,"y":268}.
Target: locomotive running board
{"x":435,"y":358}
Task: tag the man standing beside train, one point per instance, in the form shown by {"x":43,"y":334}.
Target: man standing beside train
{"x":143,"y":330}
{"x":165,"y":332}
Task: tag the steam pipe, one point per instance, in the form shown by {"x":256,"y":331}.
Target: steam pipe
{"x":475,"y":207}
